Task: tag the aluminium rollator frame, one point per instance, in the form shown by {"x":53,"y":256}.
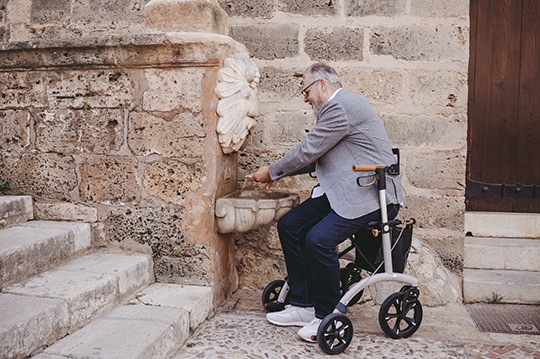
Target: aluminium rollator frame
{"x":400,"y":315}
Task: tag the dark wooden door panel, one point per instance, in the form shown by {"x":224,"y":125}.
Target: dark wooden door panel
{"x":503,"y":163}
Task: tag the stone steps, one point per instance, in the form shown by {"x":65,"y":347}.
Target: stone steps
{"x":501,"y":286}
{"x":29,"y":248}
{"x":59,"y":298}
{"x":502,"y":258}
{"x":520,"y":254}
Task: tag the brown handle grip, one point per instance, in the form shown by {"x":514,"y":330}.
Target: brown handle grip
{"x":366,"y":168}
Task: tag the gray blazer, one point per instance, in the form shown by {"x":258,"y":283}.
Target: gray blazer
{"x":347,"y":132}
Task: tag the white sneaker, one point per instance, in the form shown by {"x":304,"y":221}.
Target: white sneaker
{"x":309,"y":331}
{"x":292,"y":316}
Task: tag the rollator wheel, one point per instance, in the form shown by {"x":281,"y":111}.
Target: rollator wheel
{"x":270,"y":296}
{"x":401,"y":313}
{"x":335,"y":333}
{"x":349,"y":276}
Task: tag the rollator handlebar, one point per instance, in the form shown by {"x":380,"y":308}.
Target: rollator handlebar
{"x":366,"y":168}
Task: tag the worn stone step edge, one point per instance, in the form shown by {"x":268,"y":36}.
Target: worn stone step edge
{"x":506,"y":286}
{"x":500,"y":224}
{"x":128,"y":331}
{"x":36,"y":246}
{"x":153,"y":312}
{"x":78,"y":291}
{"x":502,"y":253}
{"x":15,"y":210}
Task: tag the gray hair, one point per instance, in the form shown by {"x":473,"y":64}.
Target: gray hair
{"x":319,"y":71}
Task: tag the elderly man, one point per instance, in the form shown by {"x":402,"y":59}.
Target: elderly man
{"x":347,"y":131}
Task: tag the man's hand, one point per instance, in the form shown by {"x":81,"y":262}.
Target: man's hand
{"x":261,"y":175}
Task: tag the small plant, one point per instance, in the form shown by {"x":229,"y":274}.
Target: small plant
{"x":495,"y":298}
{"x":86,"y":106}
{"x":4,"y":185}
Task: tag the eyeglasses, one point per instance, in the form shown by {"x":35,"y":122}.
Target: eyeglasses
{"x":303,"y":92}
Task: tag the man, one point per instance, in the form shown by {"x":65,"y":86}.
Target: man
{"x":347,"y":132}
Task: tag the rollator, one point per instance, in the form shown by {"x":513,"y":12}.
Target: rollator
{"x":400,"y":315}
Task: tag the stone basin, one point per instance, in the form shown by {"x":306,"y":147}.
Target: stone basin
{"x":244,"y":210}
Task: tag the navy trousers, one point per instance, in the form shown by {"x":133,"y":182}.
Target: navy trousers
{"x":309,"y":234}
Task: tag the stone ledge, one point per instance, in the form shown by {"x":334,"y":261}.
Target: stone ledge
{"x":148,"y":50}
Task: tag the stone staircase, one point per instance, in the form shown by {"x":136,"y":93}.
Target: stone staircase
{"x":61,"y":299}
{"x":502,"y":258}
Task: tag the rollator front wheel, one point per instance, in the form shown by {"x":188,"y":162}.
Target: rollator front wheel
{"x":270,"y":296}
{"x":335,"y":333}
{"x":401,"y":313}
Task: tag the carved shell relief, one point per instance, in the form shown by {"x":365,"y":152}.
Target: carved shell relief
{"x":237,"y":106}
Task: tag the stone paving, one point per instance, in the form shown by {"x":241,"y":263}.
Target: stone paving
{"x":240,"y":330}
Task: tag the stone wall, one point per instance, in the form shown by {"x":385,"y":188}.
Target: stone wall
{"x":125,"y":145}
{"x":408,"y":57}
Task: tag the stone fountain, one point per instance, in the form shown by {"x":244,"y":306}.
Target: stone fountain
{"x":243,"y":210}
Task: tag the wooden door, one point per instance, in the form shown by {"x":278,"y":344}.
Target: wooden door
{"x":503,"y":160}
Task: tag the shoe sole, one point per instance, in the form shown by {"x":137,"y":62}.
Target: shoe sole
{"x":289,"y":324}
{"x":311,"y":339}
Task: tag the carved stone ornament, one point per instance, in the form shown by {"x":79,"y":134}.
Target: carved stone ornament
{"x":237,"y":105}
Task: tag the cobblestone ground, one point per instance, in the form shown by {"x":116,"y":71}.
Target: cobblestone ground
{"x":240,"y":330}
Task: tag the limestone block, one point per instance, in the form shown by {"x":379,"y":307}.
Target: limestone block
{"x":291,"y":127}
{"x":442,"y":89}
{"x":175,"y":258}
{"x":268,"y":42}
{"x":171,"y":179}
{"x":89,"y":89}
{"x":186,"y":15}
{"x":49,"y":174}
{"x":309,"y":7}
{"x":376,"y":85}
{"x":440,"y":170}
{"x":92,"y":12}
{"x":181,"y":136}
{"x":436,"y":211}
{"x":98,"y":131}
{"x":248,"y":8}
{"x":375,"y":7}
{"x":173,"y":89}
{"x":278,"y":84}
{"x":45,"y":12}
{"x":14,"y":131}
{"x":413,"y":43}
{"x":106,"y":179}
{"x":21,"y":89}
{"x":335,"y":44}
{"x":440,"y":8}
{"x":437,"y":131}
{"x":65,"y":211}
{"x":18,"y":11}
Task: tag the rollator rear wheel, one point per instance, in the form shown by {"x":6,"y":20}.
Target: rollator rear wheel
{"x":401,"y":313}
{"x":270,"y":296}
{"x":335,"y":333}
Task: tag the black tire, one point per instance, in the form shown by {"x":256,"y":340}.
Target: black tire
{"x":335,"y":333}
{"x":270,"y":295}
{"x":348,"y":277}
{"x":401,"y":314}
